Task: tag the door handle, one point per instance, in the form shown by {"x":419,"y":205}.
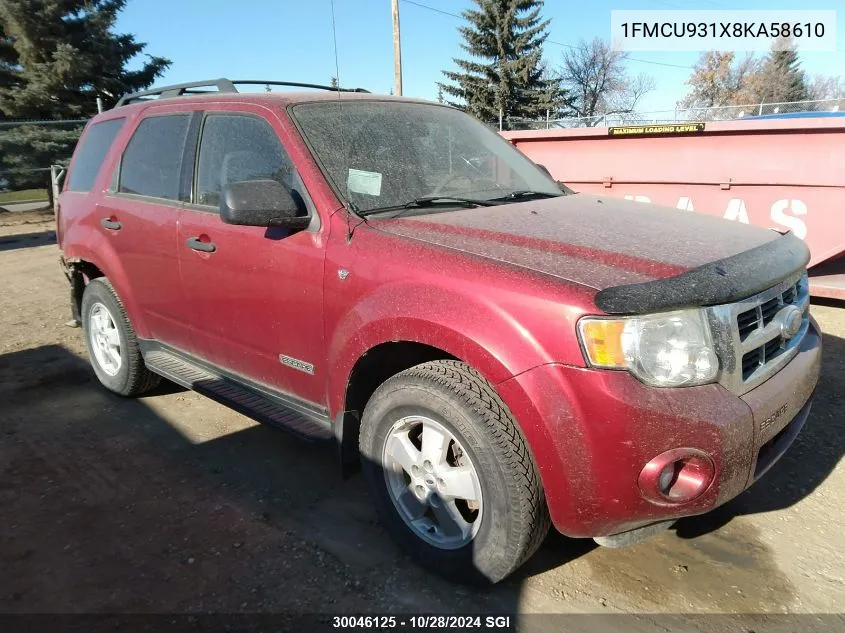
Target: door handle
{"x":111,"y":225}
{"x":194,"y":243}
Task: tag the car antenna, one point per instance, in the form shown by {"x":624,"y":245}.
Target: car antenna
{"x":350,"y":206}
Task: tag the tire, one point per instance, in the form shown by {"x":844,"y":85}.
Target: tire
{"x":510,"y":519}
{"x":121,"y":369}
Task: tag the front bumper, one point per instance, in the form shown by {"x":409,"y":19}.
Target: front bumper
{"x":592,"y":432}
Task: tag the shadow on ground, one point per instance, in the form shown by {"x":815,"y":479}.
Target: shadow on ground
{"x":109,"y":505}
{"x":27,"y":240}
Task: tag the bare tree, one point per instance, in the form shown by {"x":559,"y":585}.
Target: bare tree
{"x":823,"y":87}
{"x":721,"y":79}
{"x":597,"y":82}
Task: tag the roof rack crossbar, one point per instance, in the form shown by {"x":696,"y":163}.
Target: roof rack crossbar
{"x":223,"y":86}
{"x":296,"y":84}
{"x":176,"y":90}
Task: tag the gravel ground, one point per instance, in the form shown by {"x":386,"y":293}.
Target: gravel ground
{"x":174,"y":504}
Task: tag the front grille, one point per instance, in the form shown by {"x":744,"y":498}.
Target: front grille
{"x":761,"y":315}
{"x":790,"y":294}
{"x":750,"y":362}
{"x":749,"y":333}
{"x":772,"y":349}
{"x":756,"y":358}
{"x":769,"y":309}
{"x":747,"y":322}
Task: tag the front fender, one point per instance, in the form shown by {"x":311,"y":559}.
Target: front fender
{"x":469,"y":327}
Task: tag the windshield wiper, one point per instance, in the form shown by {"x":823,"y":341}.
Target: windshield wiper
{"x":431,"y":201}
{"x":527,"y":193}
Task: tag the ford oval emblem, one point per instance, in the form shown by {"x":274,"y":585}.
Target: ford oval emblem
{"x":790,"y":320}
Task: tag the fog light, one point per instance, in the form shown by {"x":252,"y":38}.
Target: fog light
{"x":677,"y":476}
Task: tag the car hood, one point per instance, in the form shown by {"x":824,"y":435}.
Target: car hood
{"x":590,"y":240}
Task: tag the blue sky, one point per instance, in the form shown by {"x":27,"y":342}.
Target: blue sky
{"x":292,"y":39}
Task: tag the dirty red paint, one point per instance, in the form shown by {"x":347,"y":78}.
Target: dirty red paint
{"x":785,"y":174}
{"x":500,"y":288}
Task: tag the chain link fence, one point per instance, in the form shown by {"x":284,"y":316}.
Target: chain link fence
{"x":28,"y":149}
{"x":680,"y":115}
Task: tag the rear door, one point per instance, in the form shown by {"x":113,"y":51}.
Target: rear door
{"x":256,"y":292}
{"x":140,"y":215}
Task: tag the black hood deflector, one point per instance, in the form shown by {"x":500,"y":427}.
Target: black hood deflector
{"x":722,"y":281}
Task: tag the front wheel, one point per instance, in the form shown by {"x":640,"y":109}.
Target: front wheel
{"x":451,"y":473}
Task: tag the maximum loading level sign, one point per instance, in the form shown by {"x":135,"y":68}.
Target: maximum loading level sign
{"x":669,"y":128}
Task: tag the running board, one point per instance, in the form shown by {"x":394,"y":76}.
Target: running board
{"x":262,"y":407}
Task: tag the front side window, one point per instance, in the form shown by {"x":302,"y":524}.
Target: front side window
{"x":381,"y":154}
{"x":91,"y":153}
{"x":152,"y":162}
{"x":236,"y":148}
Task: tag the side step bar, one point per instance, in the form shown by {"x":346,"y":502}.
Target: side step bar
{"x":263,"y":407}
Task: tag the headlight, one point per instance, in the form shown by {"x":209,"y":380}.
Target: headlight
{"x":670,"y":349}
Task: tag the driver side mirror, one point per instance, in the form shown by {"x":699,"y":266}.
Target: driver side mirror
{"x":262,"y":203}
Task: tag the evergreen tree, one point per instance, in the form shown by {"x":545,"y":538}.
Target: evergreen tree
{"x":56,"y":58}
{"x":8,"y":61}
{"x":781,"y":79}
{"x":786,"y":65}
{"x":553,"y":102}
{"x":68,"y":56}
{"x":505,"y":74}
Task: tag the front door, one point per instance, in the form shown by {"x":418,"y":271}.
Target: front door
{"x":256,"y":292}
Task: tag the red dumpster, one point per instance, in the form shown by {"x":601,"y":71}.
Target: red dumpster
{"x":779,"y":173}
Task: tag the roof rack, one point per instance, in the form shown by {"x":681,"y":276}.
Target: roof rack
{"x":223,"y":86}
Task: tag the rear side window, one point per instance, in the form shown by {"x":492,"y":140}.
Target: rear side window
{"x":234,"y":148}
{"x":91,"y":153}
{"x":152,"y":161}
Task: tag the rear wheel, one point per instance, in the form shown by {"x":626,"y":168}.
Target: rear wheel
{"x":111,"y":342}
{"x":451,"y":474}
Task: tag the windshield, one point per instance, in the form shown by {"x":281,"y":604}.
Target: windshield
{"x":386,"y":154}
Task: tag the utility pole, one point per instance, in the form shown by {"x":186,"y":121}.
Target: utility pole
{"x":397,"y":51}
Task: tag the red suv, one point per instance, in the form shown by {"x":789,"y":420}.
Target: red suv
{"x":390,"y":275}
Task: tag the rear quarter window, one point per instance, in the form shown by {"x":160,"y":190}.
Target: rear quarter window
{"x":152,"y":162}
{"x":91,"y":153}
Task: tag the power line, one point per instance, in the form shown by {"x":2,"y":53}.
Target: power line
{"x":460,"y":17}
{"x":632,"y":59}
{"x":425,"y":6}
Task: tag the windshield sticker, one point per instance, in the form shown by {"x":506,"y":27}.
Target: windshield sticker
{"x":366,"y":182}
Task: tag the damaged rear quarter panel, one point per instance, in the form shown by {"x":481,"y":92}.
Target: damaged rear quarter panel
{"x":84,"y":240}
